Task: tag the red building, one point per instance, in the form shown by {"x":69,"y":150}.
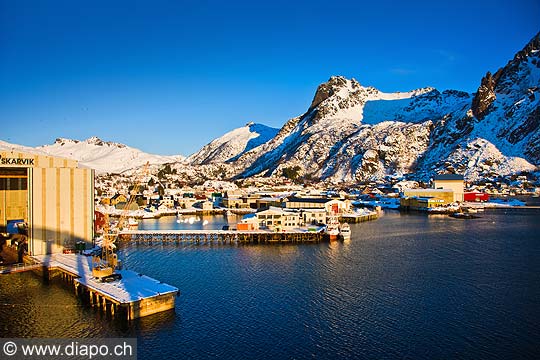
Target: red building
{"x":475,"y":196}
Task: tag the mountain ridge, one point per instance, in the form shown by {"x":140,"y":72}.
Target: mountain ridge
{"x":103,"y":156}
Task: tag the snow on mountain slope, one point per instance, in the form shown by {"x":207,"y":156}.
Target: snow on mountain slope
{"x":14,"y":147}
{"x":104,"y":157}
{"x":233,"y":144}
{"x":501,"y":125}
{"x":351,"y":132}
{"x":344,"y":125}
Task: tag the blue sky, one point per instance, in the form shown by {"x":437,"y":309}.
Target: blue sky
{"x":168,"y":76}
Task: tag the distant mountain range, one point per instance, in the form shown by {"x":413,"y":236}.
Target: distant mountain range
{"x":356,"y":133}
{"x":104,"y":157}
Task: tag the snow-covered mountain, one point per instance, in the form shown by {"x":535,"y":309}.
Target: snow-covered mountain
{"x":233,"y":144}
{"x":351,"y":132}
{"x":104,"y":157}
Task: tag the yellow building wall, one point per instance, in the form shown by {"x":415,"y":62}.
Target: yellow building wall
{"x":59,"y":202}
{"x":447,"y":196}
{"x":62,"y":209}
{"x":457,"y":186}
{"x":17,"y":200}
{"x":39,"y":161}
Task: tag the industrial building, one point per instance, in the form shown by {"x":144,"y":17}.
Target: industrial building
{"x":53,"y":197}
{"x":454,"y":182}
{"x":422,"y":199}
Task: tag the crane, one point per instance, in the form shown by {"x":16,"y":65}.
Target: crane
{"x":104,"y":265}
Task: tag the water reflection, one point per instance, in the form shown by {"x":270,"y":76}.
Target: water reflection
{"x":403,"y":286}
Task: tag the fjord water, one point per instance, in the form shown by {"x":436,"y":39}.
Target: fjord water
{"x":404,"y":286}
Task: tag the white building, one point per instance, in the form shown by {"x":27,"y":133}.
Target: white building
{"x":278,"y":219}
{"x":313,"y":216}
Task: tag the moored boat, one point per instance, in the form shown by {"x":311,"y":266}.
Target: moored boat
{"x":345,"y":231}
{"x":460,"y":215}
{"x":332,"y":228}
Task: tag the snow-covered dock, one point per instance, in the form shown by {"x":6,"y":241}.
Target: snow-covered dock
{"x":135,"y":294}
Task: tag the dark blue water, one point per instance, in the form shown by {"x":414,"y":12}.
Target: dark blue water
{"x":404,"y":286}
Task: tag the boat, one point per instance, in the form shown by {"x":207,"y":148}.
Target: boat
{"x":332,"y":228}
{"x":345,"y":231}
{"x":133,"y":222}
{"x":460,"y":215}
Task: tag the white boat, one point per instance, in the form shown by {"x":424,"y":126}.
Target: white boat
{"x":133,"y":222}
{"x":345,"y":231}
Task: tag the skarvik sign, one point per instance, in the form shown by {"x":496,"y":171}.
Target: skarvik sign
{"x":16,"y":161}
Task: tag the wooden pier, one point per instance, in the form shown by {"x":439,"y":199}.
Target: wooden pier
{"x":231,"y":237}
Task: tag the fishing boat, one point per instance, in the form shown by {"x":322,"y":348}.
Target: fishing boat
{"x":332,"y":228}
{"x":345,"y":231}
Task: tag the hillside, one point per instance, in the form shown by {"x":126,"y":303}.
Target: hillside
{"x":233,"y":144}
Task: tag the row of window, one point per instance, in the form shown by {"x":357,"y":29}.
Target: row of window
{"x":13,"y":184}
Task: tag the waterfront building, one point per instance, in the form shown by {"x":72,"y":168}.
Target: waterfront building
{"x":419,"y":199}
{"x":335,"y":206}
{"x":249,"y":222}
{"x":312,"y":216}
{"x":278,"y":219}
{"x":168,"y":201}
{"x":475,"y":196}
{"x":452,"y":182}
{"x":53,"y":196}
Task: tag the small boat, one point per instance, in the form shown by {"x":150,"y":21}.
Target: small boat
{"x":460,"y":215}
{"x":133,"y":222}
{"x":345,"y":231}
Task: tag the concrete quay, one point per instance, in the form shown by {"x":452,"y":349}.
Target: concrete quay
{"x":133,"y":296}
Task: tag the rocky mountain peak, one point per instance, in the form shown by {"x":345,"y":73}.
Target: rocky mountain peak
{"x":332,"y":86}
{"x":484,"y":97}
{"x":532,"y":47}
{"x":64,"y":141}
{"x":94,"y":140}
{"x":508,"y":78}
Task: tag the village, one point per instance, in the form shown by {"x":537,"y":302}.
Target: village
{"x":267,"y":203}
